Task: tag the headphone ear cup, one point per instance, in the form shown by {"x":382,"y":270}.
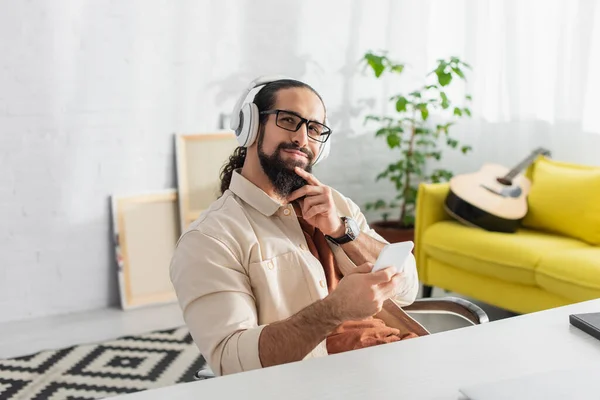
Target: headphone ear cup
{"x":323,"y":152}
{"x":325,"y":149}
{"x":248,"y":125}
{"x":253,"y":124}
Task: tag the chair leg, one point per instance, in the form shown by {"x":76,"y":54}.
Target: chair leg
{"x":427,"y":291}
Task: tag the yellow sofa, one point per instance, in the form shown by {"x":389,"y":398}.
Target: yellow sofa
{"x":553,"y":260}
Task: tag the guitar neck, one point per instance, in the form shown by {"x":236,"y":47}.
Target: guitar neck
{"x":520,"y":167}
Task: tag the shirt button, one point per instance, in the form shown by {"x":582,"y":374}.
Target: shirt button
{"x":286,"y":212}
{"x":322,"y":283}
{"x":270,"y":265}
{"x":302,"y":246}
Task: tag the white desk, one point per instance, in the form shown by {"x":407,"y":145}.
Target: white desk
{"x":431,"y":367}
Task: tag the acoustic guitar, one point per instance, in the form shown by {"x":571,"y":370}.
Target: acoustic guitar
{"x":493,"y":198}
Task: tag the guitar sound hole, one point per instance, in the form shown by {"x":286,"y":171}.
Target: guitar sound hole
{"x":504,"y":181}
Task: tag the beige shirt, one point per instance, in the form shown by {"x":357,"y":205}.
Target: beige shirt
{"x":244,"y":263}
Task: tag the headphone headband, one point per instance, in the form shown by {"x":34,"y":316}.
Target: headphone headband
{"x":260,"y":81}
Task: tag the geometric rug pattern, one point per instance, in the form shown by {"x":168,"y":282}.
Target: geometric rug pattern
{"x":94,"y":371}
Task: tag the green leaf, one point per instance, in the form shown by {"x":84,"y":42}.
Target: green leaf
{"x":469,"y":97}
{"x":382,"y":175}
{"x":435,"y":154}
{"x":442,"y":64}
{"x":444,"y":174}
{"x":379,"y":204}
{"x":431,"y":87}
{"x":444,"y":78}
{"x":408,"y":221}
{"x":457,"y":111}
{"x":393,"y":140}
{"x":372,"y":118}
{"x":466,"y":149}
{"x":398,"y":68}
{"x":458,"y":72}
{"x":452,"y":142}
{"x":415,"y":94}
{"x":467,"y":111}
{"x":398,"y":181}
{"x":382,"y":131}
{"x":425,"y":142}
{"x":424,"y":112}
{"x":441,"y":175}
{"x":410,"y":195}
{"x":376,"y":63}
{"x":401,"y":104}
{"x":445,"y":102}
{"x":421,"y":130}
{"x":419,"y":158}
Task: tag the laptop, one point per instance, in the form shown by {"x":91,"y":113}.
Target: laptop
{"x":581,"y":383}
{"x":589,"y":323}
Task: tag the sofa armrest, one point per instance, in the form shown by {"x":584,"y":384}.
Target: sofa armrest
{"x":449,"y":305}
{"x":429,"y":210}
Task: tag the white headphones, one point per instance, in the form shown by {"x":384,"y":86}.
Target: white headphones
{"x":245,"y":117}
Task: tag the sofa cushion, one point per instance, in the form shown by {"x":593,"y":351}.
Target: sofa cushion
{"x":510,"y":257}
{"x":574,"y":274}
{"x":565,"y":199}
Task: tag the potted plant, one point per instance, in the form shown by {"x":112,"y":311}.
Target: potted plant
{"x":416,"y":131}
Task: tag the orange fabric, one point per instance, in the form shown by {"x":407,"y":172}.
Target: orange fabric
{"x":350,"y":335}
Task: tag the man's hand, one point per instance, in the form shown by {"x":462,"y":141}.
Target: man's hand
{"x":318,"y":208}
{"x":361,"y":293}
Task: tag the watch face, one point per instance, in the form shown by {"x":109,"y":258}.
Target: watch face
{"x":353,"y":229}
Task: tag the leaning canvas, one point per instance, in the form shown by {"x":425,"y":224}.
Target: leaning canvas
{"x":200,"y":158}
{"x":145,"y":231}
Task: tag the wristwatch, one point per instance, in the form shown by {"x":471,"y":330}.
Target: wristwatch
{"x":352,"y":232}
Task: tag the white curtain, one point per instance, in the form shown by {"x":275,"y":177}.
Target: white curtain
{"x":534,"y":82}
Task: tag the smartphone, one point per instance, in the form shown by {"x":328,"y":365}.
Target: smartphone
{"x":393,"y":255}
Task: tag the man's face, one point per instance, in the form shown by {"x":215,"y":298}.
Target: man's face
{"x":280,"y":150}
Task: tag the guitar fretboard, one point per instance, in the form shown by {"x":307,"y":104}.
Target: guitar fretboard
{"x":524,"y":164}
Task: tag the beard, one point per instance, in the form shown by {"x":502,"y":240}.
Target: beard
{"x":281,"y":172}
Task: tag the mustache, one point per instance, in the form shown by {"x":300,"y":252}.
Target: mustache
{"x":292,"y":146}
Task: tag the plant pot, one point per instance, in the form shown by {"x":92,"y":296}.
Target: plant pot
{"x":393,"y":232}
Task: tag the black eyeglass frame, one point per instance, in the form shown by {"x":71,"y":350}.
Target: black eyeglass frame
{"x":302,"y":122}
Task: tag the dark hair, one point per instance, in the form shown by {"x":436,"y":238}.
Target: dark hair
{"x":265,"y":100}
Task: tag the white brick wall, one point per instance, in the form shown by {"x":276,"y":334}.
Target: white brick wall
{"x":91,"y":93}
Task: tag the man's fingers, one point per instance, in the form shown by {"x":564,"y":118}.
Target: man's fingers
{"x":310,"y":178}
{"x":315,"y":210}
{"x":362,"y":269}
{"x":389,"y":289}
{"x":384,"y":275}
{"x":313,"y":201}
{"x":306,"y":190}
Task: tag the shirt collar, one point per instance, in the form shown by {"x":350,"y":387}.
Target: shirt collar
{"x":252,"y":194}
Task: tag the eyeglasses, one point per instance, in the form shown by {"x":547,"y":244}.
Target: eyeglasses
{"x":291,"y":121}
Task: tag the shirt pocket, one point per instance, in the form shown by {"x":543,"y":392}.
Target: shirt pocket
{"x":282,"y":286}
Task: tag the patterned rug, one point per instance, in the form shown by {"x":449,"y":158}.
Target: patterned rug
{"x":93,"y":371}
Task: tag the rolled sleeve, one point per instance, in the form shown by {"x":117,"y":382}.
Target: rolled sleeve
{"x":218,"y":306}
{"x":407,"y":290}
